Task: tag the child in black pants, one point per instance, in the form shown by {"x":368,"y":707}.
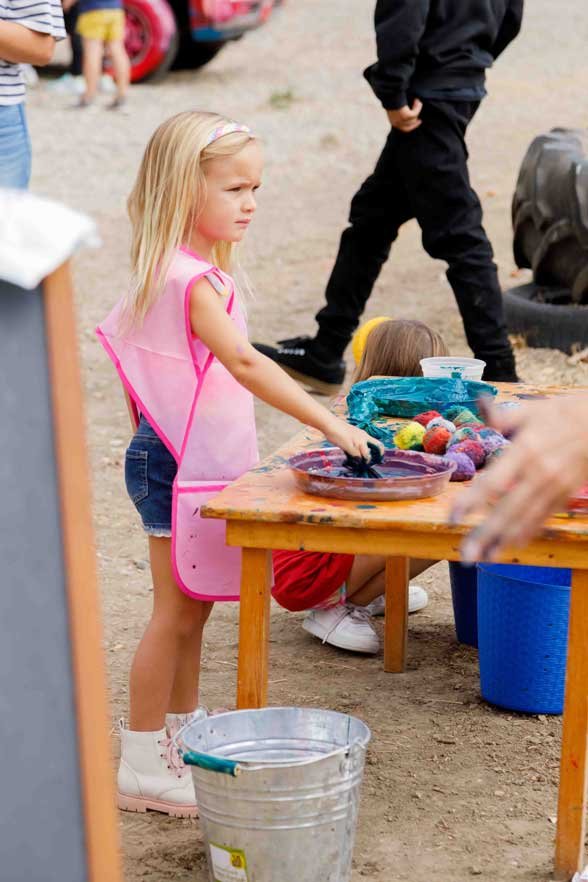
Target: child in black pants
{"x":430,"y":73}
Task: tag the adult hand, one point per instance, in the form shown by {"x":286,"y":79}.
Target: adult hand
{"x":406,"y":119}
{"x":545,"y":464}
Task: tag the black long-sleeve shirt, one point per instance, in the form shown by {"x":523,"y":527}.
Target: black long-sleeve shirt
{"x":438,"y":44}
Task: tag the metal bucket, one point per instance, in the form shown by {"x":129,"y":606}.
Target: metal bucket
{"x":278,"y":792}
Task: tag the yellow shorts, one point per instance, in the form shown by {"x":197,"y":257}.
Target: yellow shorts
{"x":106,"y":25}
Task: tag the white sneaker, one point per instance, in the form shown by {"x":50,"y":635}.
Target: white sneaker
{"x":346,"y":626}
{"x":417,"y":599}
{"x":152,"y":775}
{"x":68,"y":85}
{"x":107,"y":85}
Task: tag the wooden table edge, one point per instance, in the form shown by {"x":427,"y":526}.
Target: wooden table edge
{"x":396,"y":542}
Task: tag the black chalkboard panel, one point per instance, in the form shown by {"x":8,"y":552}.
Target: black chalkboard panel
{"x":42,"y":836}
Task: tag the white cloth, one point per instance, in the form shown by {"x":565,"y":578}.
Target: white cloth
{"x":38,"y":235}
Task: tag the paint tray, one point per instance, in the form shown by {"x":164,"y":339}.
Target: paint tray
{"x":406,"y":474}
{"x":408,"y":396}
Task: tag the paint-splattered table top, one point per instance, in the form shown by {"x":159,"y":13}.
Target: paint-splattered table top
{"x":268,"y":493}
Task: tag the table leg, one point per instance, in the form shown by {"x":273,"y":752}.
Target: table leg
{"x":396,"y":621}
{"x":571,"y":814}
{"x":254,"y":624}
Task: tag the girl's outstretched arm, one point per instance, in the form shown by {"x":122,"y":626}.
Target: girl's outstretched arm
{"x":262,"y":376}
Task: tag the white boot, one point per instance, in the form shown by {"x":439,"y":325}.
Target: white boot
{"x":152,"y":775}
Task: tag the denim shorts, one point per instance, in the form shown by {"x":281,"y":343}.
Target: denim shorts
{"x":15,"y":147}
{"x":150,"y":470}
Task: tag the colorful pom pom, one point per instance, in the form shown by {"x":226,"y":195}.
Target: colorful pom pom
{"x":473,"y":449}
{"x":463,"y":434}
{"x":491,"y":443}
{"x":442,"y":423}
{"x":491,"y":440}
{"x":496,"y":454}
{"x":410,"y":437}
{"x":465,"y":470}
{"x":452,"y":412}
{"x":436,"y":440}
{"x":466,"y":417}
{"x":425,"y":418}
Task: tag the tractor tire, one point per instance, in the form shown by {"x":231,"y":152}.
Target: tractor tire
{"x":546,"y":317}
{"x":550,"y":211}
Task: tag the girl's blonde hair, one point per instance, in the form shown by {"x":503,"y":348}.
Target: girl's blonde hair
{"x":167,"y":198}
{"x":395,"y":348}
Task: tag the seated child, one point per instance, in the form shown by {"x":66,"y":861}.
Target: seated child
{"x":343,"y":591}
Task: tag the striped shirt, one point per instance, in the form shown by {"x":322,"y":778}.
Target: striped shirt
{"x":44,"y":16}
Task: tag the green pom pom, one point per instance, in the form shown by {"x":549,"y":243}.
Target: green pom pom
{"x":452,"y":412}
{"x":410,"y":437}
{"x":466,"y":416}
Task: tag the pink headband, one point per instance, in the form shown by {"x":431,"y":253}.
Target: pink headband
{"x":227,"y":129}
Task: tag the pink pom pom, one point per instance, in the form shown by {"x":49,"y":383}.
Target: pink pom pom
{"x":473,"y":449}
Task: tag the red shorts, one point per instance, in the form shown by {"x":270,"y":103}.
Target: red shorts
{"x":305,"y":579}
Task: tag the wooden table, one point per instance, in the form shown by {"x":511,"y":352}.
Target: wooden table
{"x":264,"y":511}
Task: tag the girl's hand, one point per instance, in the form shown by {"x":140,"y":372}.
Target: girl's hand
{"x":349,"y":438}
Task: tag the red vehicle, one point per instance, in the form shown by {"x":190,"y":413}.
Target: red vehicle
{"x":188,"y":33}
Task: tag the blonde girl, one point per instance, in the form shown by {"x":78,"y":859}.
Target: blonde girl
{"x":179,"y":343}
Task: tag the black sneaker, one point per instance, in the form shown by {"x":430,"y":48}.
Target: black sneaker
{"x":298,"y":359}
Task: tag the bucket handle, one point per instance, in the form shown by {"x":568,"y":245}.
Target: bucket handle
{"x":211,"y":763}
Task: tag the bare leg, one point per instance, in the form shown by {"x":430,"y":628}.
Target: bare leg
{"x":92,"y":66}
{"x":184,"y":694}
{"x":166,"y":666}
{"x":121,"y":66}
{"x":367,"y":579}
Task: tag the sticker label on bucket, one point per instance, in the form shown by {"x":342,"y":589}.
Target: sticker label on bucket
{"x":228,"y":864}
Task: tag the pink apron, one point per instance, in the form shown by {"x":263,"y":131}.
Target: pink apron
{"x":199,"y":411}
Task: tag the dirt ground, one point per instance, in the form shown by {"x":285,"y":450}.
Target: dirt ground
{"x":453,"y":788}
